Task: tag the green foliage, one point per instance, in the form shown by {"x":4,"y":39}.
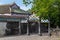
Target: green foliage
{"x":41,"y":7}
{"x":27,"y":2}
{"x":46,"y":8}
{"x":54,"y":13}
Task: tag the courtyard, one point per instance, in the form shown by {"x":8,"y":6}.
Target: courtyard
{"x":31,"y":37}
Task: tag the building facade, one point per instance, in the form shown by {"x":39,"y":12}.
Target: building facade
{"x":18,"y":21}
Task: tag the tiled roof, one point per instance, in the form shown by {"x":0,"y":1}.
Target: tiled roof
{"x":18,"y":10}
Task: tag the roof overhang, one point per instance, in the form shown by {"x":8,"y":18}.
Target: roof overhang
{"x":13,"y":16}
{"x":4,"y":18}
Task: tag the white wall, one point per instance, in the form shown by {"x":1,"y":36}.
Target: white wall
{"x":2,"y":28}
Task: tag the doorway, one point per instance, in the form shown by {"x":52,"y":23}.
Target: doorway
{"x":44,"y":27}
{"x":12,"y":28}
{"x":23,"y":28}
{"x":33,"y":27}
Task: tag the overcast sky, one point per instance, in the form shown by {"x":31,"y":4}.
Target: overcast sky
{"x":18,"y":2}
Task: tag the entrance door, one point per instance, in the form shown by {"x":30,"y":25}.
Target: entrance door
{"x":33,"y":27}
{"x":23,"y":28}
{"x":44,"y":27}
{"x":12,"y":28}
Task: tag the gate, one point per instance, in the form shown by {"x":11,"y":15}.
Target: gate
{"x":33,"y":27}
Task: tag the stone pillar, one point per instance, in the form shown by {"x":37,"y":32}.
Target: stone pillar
{"x":27,"y":29}
{"x":39,"y":30}
{"x":28,"y":25}
{"x":49,"y":31}
{"x":19,"y":26}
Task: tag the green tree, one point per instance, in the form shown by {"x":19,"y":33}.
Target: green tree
{"x":54,"y":12}
{"x":47,"y":9}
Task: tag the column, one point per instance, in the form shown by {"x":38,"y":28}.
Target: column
{"x":27,"y":29}
{"x":49,"y":31}
{"x":39,"y":30}
{"x":28,"y":25}
{"x":19,"y":26}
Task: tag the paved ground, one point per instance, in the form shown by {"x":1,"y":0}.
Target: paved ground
{"x":31,"y":37}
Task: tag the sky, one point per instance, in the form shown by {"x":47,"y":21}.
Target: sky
{"x":18,"y":2}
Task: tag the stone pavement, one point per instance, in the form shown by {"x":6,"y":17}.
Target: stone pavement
{"x":31,"y":37}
